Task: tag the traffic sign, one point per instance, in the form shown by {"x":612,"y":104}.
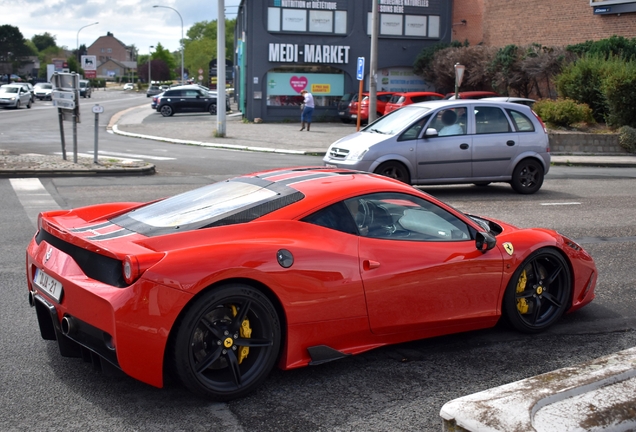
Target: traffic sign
{"x":360,"y":70}
{"x":64,"y":103}
{"x":62,"y":95}
{"x":97,"y":109}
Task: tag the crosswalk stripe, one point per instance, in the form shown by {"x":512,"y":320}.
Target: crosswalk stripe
{"x":34,"y":197}
{"x":128,"y":155}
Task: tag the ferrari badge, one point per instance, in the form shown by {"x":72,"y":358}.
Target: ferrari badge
{"x":509,"y":248}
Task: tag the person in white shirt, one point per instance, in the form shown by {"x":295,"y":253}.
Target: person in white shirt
{"x":305,"y":115}
{"x":449,"y":119}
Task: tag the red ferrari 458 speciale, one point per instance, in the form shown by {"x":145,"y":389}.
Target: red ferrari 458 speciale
{"x":289,"y":267}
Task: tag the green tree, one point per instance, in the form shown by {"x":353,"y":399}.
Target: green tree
{"x":43,"y":41}
{"x":13,"y":46}
{"x":160,"y":53}
{"x":200,"y":45}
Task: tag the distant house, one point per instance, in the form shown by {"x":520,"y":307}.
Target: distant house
{"x":114,"y":58}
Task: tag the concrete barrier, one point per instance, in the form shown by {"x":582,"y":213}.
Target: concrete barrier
{"x":599,"y":395}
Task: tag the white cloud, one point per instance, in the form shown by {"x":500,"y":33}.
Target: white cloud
{"x":134,"y":22}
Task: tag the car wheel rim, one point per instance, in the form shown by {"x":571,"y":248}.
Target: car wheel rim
{"x":528,"y":176}
{"x":542,"y":291}
{"x":230,"y":345}
{"x":393,"y":172}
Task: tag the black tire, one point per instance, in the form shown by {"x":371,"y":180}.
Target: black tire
{"x":17,"y":104}
{"x":395,"y":170}
{"x":527,"y":177}
{"x":212,"y":109}
{"x":166,"y":111}
{"x":210,"y":339}
{"x":539,"y":292}
{"x":29,"y":104}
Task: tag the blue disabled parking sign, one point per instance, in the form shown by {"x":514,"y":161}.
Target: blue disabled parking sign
{"x":360,"y":71}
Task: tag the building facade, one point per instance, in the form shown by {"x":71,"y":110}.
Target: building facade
{"x":108,"y":48}
{"x":546,"y":22}
{"x":286,"y":46}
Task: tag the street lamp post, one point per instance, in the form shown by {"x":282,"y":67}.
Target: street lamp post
{"x":79,"y":63}
{"x":181,"y":41}
{"x":149,"y":60}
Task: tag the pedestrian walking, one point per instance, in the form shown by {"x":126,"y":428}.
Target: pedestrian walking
{"x":306,"y":110}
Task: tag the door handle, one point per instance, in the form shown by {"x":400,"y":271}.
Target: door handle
{"x":463,"y":146}
{"x":370,"y":264}
{"x":510,"y":143}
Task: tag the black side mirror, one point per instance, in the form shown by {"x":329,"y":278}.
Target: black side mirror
{"x":485,"y":241}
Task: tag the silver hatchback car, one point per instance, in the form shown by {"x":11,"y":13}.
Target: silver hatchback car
{"x":450,"y":142}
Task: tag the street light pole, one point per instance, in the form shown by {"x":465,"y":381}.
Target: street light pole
{"x":181,"y":41}
{"x":77,"y":42}
{"x":149,"y":60}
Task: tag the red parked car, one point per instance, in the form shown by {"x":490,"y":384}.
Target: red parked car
{"x":289,"y":267}
{"x":398,"y":100}
{"x":382,"y":99}
{"x":476,"y":94}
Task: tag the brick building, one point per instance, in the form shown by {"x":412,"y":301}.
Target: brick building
{"x":114,"y":58}
{"x":547,"y":22}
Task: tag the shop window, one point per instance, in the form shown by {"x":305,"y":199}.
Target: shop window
{"x":422,"y":26}
{"x":306,"y":21}
{"x":284,"y":85}
{"x":294,"y":20}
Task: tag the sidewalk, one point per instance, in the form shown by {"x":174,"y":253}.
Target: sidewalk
{"x":240,"y":135}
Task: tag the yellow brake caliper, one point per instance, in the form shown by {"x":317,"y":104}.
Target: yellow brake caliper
{"x":245,"y":332}
{"x":522,"y":304}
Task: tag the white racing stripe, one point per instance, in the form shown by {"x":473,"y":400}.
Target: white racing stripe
{"x":33,"y":197}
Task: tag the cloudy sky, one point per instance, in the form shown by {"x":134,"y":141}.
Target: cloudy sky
{"x":131,"y":21}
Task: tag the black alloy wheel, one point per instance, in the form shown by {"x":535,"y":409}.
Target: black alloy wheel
{"x":166,"y":111}
{"x":538,"y":292}
{"x":212,"y":109}
{"x":527,"y":177}
{"x":394,"y":170}
{"x":227,"y":342}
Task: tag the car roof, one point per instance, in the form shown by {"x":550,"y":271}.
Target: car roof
{"x":435,"y":104}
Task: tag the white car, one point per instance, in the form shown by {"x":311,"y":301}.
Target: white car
{"x":43,"y":90}
{"x":129,"y":86}
{"x":14,"y":96}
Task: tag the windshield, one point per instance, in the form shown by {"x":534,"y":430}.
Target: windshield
{"x":9,"y":89}
{"x":229,"y":202}
{"x":396,"y":121}
{"x":44,"y":86}
{"x":82,"y":84}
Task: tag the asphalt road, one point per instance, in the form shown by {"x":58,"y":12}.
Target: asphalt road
{"x":399,"y":387}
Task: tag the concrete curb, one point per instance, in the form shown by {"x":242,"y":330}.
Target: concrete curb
{"x":597,"y":395}
{"x":116,"y":130}
{"x":79,"y":172}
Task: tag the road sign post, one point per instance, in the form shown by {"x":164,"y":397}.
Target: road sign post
{"x":65,"y":97}
{"x":459,"y":76}
{"x":97,"y":109}
{"x":360,"y":77}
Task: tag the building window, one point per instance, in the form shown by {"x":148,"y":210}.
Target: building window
{"x":109,"y":50}
{"x":102,"y":50}
{"x":421,"y":26}
{"x":284,"y":85}
{"x":306,"y":21}
{"x":294,"y":20}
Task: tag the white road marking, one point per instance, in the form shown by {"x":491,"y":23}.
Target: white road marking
{"x":161,"y":158}
{"x":563,"y":203}
{"x":33,"y":197}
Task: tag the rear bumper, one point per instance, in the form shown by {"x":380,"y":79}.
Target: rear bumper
{"x":128,"y":327}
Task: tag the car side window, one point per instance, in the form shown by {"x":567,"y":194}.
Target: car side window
{"x":490,"y":120}
{"x":335,"y":216}
{"x":399,"y":216}
{"x":521,"y":121}
{"x":451,"y":121}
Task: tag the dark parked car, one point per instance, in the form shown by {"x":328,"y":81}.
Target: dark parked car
{"x":186,"y":99}
{"x":153,"y":90}
{"x":85,"y":89}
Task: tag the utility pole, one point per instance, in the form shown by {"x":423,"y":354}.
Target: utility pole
{"x":220,"y":71}
{"x":373,"y":63}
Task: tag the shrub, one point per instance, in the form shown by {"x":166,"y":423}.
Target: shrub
{"x":563,"y":112}
{"x":627,"y":138}
{"x":619,"y":87}
{"x":582,"y":82}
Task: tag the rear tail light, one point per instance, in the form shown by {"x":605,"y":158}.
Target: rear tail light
{"x":540,"y":121}
{"x":134,"y":266}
